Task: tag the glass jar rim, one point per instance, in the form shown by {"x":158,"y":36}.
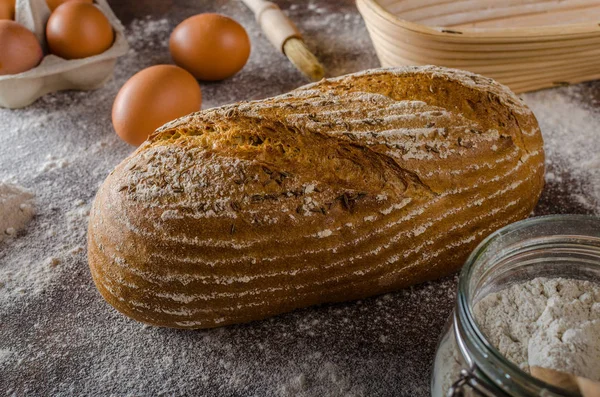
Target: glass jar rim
{"x":465,"y":310}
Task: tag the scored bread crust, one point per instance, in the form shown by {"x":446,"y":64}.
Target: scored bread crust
{"x":338,"y":190}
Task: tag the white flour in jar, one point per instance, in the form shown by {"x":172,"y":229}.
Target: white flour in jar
{"x":547,"y":322}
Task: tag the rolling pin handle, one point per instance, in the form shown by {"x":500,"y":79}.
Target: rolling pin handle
{"x":275,"y":24}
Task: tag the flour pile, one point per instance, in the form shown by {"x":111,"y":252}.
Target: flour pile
{"x":550,"y":323}
{"x":16,"y":209}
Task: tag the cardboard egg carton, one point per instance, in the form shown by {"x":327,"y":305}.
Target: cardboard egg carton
{"x":55,"y":73}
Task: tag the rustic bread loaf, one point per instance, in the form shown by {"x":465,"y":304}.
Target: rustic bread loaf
{"x":339,"y":190}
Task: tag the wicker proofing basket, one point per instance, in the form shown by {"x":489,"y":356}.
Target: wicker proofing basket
{"x":525,"y":44}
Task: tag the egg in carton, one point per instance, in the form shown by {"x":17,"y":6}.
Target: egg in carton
{"x":55,"y":73}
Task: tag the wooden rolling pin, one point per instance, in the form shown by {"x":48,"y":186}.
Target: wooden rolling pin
{"x":286,"y":37}
{"x":572,"y":383}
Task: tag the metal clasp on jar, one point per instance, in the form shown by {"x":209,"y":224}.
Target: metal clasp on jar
{"x":469,"y":378}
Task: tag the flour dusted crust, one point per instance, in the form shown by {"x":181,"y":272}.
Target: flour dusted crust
{"x":338,"y":190}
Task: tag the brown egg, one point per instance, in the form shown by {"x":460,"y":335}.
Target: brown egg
{"x":53,"y":4}
{"x":210,"y":46}
{"x":19,"y":49}
{"x":151,"y":98}
{"x":7,"y":9}
{"x":78,"y":30}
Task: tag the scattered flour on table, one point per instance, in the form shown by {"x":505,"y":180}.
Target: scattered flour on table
{"x":547,"y":322}
{"x":16,"y":209}
{"x":331,"y":378}
{"x":32,"y":275}
{"x":571,"y":141}
{"x":5,"y":355}
{"x":53,"y":162}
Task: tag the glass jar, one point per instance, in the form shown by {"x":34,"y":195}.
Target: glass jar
{"x":466,"y":364}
